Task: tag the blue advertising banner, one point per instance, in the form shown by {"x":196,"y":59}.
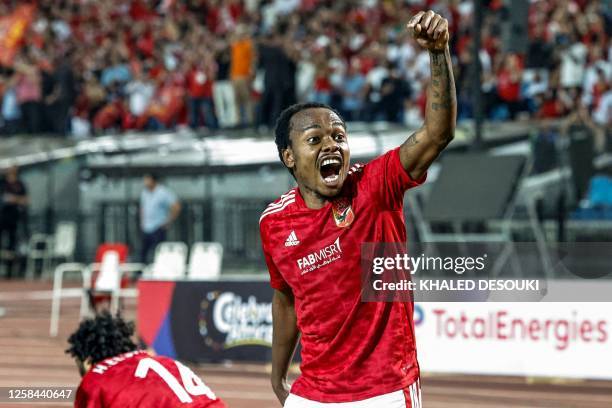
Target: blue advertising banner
{"x":215,"y":321}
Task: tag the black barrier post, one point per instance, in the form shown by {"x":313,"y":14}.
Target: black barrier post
{"x":207,"y":202}
{"x":477,"y":75}
{"x":50,"y":207}
{"x":561,"y":215}
{"x":101,"y":219}
{"x":127,"y":192}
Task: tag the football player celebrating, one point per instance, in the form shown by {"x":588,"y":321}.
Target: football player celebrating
{"x":359,"y":354}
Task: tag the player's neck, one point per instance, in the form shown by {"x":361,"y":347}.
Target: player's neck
{"x":312,"y":199}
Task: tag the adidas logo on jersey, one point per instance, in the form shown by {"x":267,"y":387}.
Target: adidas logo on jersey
{"x":292,"y":240}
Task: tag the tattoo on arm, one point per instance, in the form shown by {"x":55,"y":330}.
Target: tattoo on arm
{"x":441,"y":85}
{"x":411,"y":141}
{"x":422,"y":147}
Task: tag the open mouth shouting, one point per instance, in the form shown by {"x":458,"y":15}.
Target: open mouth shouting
{"x":330,"y":167}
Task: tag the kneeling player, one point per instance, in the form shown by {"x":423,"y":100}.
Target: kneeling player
{"x":116,"y":374}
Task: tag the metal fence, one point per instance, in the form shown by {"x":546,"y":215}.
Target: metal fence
{"x":232,"y":222}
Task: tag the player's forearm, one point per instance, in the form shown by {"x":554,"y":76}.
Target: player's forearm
{"x":441,"y":110}
{"x":285,"y":336}
{"x":282,"y":354}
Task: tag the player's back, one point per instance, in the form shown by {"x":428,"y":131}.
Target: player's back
{"x":136,"y":379}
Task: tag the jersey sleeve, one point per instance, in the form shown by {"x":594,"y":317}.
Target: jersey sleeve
{"x":387,"y":180}
{"x":276,"y":279}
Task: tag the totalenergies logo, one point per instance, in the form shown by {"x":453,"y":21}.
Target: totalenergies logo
{"x":419,"y":315}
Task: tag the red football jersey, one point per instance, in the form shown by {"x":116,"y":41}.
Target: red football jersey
{"x":351,"y":350}
{"x":136,"y":379}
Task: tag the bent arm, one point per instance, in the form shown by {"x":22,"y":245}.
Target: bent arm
{"x":24,"y":200}
{"x":175,"y":210}
{"x":285,"y":336}
{"x":422,"y":147}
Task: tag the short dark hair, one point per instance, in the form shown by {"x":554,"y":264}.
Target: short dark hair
{"x":283,"y":124}
{"x":153,"y":176}
{"x":101,"y":337}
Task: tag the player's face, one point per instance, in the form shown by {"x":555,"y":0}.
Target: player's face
{"x":319,"y":154}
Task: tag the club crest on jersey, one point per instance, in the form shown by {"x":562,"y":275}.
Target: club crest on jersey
{"x":343,"y":212}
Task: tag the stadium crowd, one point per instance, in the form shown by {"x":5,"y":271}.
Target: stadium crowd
{"x":88,"y":66}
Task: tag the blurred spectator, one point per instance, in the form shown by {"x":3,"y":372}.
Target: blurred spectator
{"x":63,"y":95}
{"x":550,"y":106}
{"x":116,"y":70}
{"x":159,"y":207}
{"x":110,"y":115}
{"x":353,"y":92}
{"x":90,"y":100}
{"x":278,"y":62}
{"x":375,"y":78}
{"x":13,"y":204}
{"x":394,"y":92}
{"x":223,"y":92}
{"x":200,"y":92}
{"x":168,"y":102}
{"x":84,"y":55}
{"x":241,"y":73}
{"x":29,"y":96}
{"x":598,"y":71}
{"x":603,"y":109}
{"x":535,"y":83}
{"x":139,"y":92}
{"x":11,"y":114}
{"x":573,"y":60}
{"x":305,"y":75}
{"x":539,"y":51}
{"x":509,"y":85}
{"x":322,"y":87}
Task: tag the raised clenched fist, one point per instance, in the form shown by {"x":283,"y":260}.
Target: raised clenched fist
{"x":430,"y":30}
